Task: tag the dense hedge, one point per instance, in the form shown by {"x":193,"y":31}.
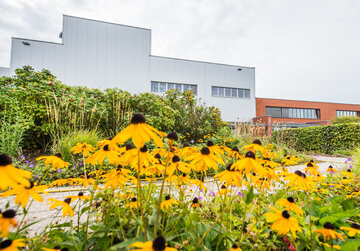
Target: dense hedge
{"x":321,"y":139}
{"x":48,"y":109}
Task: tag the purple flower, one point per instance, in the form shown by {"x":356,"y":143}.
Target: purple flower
{"x":75,"y":166}
{"x":27,"y":161}
{"x":22,"y":156}
{"x":36,"y":175}
{"x":331,"y":186}
{"x":31,"y":165}
{"x":200,"y":198}
{"x":59,"y":171}
{"x":241,"y":194}
{"x":349,"y":159}
{"x":80,"y":164}
{"x":192,"y":141}
{"x":350,"y":167}
{"x":212,"y":193}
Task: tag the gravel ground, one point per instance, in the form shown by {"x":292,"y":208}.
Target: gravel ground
{"x":40,"y":211}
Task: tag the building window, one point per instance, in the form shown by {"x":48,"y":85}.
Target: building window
{"x":340,"y":114}
{"x":162,"y":87}
{"x":227,"y":92}
{"x":296,"y":113}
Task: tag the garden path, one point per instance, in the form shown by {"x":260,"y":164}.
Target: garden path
{"x":40,"y":211}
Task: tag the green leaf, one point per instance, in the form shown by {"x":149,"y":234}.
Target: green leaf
{"x":250,"y":195}
{"x":331,"y":219}
{"x":347,"y":204}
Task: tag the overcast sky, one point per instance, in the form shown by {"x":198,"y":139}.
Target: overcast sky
{"x":306,"y":50}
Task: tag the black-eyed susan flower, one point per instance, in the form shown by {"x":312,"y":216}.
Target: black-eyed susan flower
{"x":235,"y":153}
{"x":177,"y":165}
{"x":223,"y":191}
{"x":103,"y":153}
{"x":282,"y":222}
{"x":187,"y":150}
{"x":250,"y":165}
{"x":229,"y":176}
{"x":299,"y":180}
{"x":62,"y":182}
{"x":214,"y":149}
{"x":328,"y":232}
{"x":337,"y":247}
{"x":114,"y":179}
{"x":331,"y":169}
{"x":139,"y":132}
{"x":23,"y":193}
{"x":11,"y":176}
{"x":352,"y":230}
{"x":133,"y":203}
{"x":289,"y":205}
{"x":55,"y":161}
{"x":256,"y":146}
{"x":7,"y":220}
{"x":312,"y":169}
{"x":65,"y":204}
{"x":145,"y":158}
{"x":204,"y":160}
{"x":83,"y":148}
{"x":80,"y":196}
{"x":289,"y":161}
{"x":12,"y":245}
{"x":235,"y":248}
{"x":168,"y":203}
{"x":348,"y":174}
{"x":195,"y":203}
{"x":172,"y":137}
{"x":159,"y":244}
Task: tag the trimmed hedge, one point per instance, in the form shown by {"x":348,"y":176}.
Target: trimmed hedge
{"x":321,"y":139}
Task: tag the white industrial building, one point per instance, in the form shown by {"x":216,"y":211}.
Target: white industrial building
{"x":105,"y":55}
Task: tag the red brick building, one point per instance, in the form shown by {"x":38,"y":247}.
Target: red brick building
{"x":289,"y":112}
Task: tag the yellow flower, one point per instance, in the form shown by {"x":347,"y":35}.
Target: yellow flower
{"x":9,"y":245}
{"x":256,"y":146}
{"x":61,"y":182}
{"x":330,"y":246}
{"x":289,"y":204}
{"x":114,"y":178}
{"x":139,"y":132}
{"x":223,"y":191}
{"x":23,"y":193}
{"x":159,"y":244}
{"x":84,"y":148}
{"x":80,"y":196}
{"x":187,"y":150}
{"x":229,"y":176}
{"x":132,"y":204}
{"x":195,"y":203}
{"x":328,"y":232}
{"x":312,"y":169}
{"x":289,"y":161}
{"x":352,"y":230}
{"x":250,"y":165}
{"x":348,"y":174}
{"x":7,"y":220}
{"x":235,"y":153}
{"x":167,"y":203}
{"x":11,"y":176}
{"x":54,"y":160}
{"x":299,"y":180}
{"x":103,"y":153}
{"x":331,"y":170}
{"x":177,"y":165}
{"x":283,"y":223}
{"x":204,"y":160}
{"x":66,"y":208}
{"x":235,"y":248}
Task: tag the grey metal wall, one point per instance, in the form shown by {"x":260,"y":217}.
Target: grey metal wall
{"x":105,"y":55}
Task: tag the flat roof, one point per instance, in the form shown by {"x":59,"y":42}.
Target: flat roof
{"x":309,"y":101}
{"x":198,"y":61}
{"x":34,"y":40}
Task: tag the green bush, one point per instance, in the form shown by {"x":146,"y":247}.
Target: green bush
{"x":53,"y":109}
{"x":70,"y":140}
{"x":320,"y":139}
{"x":344,"y":120}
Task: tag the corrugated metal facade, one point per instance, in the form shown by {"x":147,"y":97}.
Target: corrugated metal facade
{"x":105,"y":55}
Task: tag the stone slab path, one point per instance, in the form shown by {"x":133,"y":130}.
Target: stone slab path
{"x":40,"y":211}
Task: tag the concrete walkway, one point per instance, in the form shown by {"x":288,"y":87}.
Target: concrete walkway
{"x":40,"y":211}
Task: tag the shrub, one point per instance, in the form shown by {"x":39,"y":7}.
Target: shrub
{"x":321,"y":139}
{"x":344,"y":120}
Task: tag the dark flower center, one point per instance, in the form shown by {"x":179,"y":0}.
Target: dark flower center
{"x":173,"y":136}
{"x":229,"y":167}
{"x":5,"y":244}
{"x":119,"y":167}
{"x":64,"y":249}
{"x":288,"y":157}
{"x":184,"y":174}
{"x":59,"y":155}
{"x":167,"y":197}
{"x":175,"y":159}
{"x":309,"y":164}
{"x":257,"y":141}
{"x":234,"y":246}
{"x":157,"y":156}
{"x":80,"y":194}
{"x":300,"y":174}
{"x":159,"y":243}
{"x":133,"y":199}
{"x":195,"y":200}
{"x":285,"y":214}
{"x":223,"y":187}
{"x":328,"y":225}
{"x":31,"y":185}
{"x":311,"y":161}
{"x":210,"y":143}
{"x":138,"y":118}
{"x":106,"y":148}
{"x":129,"y":147}
{"x":143,"y":149}
{"x":205,"y":151}
{"x":235,"y":149}
{"x":67,"y":200}
{"x":291,"y":199}
{"x":9,"y":214}
{"x":330,"y":167}
{"x":250,"y":154}
{"x":349,"y":170}
{"x":355,"y":225}
{"x":5,"y":160}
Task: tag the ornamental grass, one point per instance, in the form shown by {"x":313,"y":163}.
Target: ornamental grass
{"x":143,"y":190}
